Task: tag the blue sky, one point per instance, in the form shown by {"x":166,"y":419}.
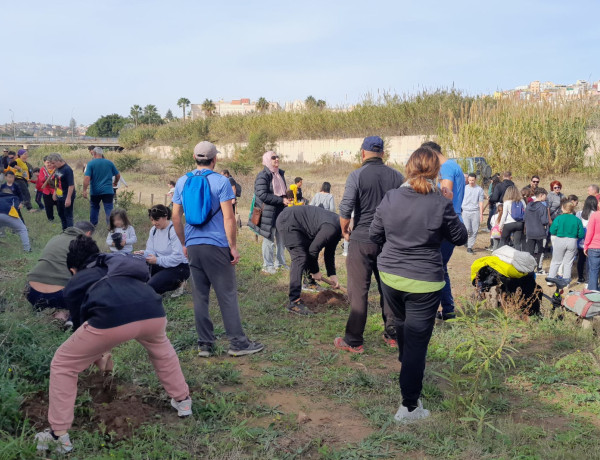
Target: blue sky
{"x":94,"y":58}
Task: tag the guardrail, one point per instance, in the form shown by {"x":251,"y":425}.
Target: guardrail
{"x":59,"y":140}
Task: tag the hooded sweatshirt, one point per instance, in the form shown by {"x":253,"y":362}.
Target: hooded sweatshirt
{"x":536,"y":220}
{"x":52,"y":265}
{"x":112,"y":291}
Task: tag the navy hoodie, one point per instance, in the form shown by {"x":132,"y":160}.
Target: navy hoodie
{"x":536,"y":220}
{"x":112,"y":291}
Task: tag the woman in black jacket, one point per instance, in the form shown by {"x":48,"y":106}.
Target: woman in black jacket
{"x":411,"y":223}
{"x":269,"y":191}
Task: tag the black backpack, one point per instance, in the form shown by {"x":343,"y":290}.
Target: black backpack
{"x":238,"y":189}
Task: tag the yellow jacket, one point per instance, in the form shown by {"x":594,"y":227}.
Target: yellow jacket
{"x":24,"y":172}
{"x":500,"y":266}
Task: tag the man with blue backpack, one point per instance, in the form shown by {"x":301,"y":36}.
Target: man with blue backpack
{"x":209,"y":242}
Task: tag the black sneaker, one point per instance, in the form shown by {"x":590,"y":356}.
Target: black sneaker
{"x":206,"y":351}
{"x":470,"y":251}
{"x":299,"y":308}
{"x":445,"y":316}
{"x":581,"y":280}
{"x":253,"y":347}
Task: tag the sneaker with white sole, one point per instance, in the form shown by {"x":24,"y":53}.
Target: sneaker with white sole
{"x":404,"y":416}
{"x":184,"y":408}
{"x":253,"y":347}
{"x":206,"y":351}
{"x":178,"y":292}
{"x":269,"y":270}
{"x":46,"y":440}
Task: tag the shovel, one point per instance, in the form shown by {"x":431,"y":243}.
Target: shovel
{"x":331,"y":283}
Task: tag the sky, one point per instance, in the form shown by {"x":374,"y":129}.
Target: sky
{"x":85,"y":59}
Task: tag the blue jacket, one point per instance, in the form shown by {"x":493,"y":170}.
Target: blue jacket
{"x":8,"y":200}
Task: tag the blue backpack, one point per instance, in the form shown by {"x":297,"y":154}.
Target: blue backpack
{"x":517,"y":211}
{"x":197,"y":200}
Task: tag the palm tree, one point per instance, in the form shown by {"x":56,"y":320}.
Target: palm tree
{"x":208,"y":107}
{"x":183,"y":102}
{"x":321,"y":104}
{"x":135,"y":112}
{"x":262,"y":105}
{"x":310,"y":103}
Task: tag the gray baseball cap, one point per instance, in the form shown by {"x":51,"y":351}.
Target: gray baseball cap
{"x":205,"y":151}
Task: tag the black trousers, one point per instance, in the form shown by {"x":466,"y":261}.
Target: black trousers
{"x":24,"y":188}
{"x":516,"y":230}
{"x":49,"y":205}
{"x":168,"y":279}
{"x":415,"y":315}
{"x":361,"y":264}
{"x":581,"y":259}
{"x":535,"y":247}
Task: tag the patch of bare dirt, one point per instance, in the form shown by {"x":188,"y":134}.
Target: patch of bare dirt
{"x":324,"y":300}
{"x":317,"y":418}
{"x":117,"y":409}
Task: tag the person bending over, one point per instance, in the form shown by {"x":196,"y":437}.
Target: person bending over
{"x":111,"y":304}
{"x":306,"y":230}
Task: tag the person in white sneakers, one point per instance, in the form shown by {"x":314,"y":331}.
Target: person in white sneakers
{"x":110,"y":304}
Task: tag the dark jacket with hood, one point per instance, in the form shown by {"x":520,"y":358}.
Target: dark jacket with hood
{"x":536,"y":220}
{"x":112,"y":291}
{"x":7,"y":201}
{"x":411,"y":227}
{"x":498,"y":193}
{"x":273,"y":204}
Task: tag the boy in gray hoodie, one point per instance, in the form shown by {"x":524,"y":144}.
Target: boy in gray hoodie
{"x":536,"y":225}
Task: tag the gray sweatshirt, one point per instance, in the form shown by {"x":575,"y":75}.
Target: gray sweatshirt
{"x":130,"y":239}
{"x":165,"y":245}
{"x":324,"y":200}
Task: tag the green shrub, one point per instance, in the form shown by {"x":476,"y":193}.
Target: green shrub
{"x":11,"y":402}
{"x":136,"y":137}
{"x":127,"y":162}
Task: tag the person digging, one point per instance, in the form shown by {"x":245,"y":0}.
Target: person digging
{"x":306,"y":230}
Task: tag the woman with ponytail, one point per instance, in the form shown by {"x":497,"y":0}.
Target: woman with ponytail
{"x":411,"y":223}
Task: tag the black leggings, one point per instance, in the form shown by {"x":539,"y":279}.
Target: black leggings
{"x":516,"y":230}
{"x":49,"y":205}
{"x":168,"y":279}
{"x":581,"y":259}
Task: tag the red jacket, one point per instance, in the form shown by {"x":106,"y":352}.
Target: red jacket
{"x":42,"y":176}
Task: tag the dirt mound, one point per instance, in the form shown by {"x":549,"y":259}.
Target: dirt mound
{"x":324,"y":300}
{"x":108,"y":409}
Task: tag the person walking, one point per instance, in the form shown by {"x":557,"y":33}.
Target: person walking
{"x":472,"y":209}
{"x":111,"y":304}
{"x":102,"y":177}
{"x":47,"y":279}
{"x":452,"y":184}
{"x":324,"y":198}
{"x":513,"y":214}
{"x":306,"y":230}
{"x":411,"y":266}
{"x":365,"y":188}
{"x":64,"y":189}
{"x":212,"y":250}
{"x":270,"y":196}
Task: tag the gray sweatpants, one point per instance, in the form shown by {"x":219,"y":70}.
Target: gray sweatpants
{"x":268,"y":250}
{"x":472,"y":222}
{"x":211,"y":266}
{"x":563,"y":253}
{"x":18,"y":226}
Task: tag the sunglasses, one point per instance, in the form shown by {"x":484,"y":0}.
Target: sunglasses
{"x":535,"y":181}
{"x":557,"y":187}
{"x":275,"y":157}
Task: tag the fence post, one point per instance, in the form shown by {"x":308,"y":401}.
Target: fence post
{"x":140,"y":198}
{"x":151,"y":199}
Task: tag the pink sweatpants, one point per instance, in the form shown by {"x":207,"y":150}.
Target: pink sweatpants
{"x":87,"y":344}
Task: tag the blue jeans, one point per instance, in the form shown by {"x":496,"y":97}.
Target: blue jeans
{"x":447,"y":248}
{"x":593,"y":268}
{"x":107,"y":199}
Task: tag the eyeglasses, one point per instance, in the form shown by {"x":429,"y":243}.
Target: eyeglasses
{"x":274,"y":157}
{"x":557,"y":187}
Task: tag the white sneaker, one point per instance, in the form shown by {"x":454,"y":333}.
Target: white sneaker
{"x":269,"y":270}
{"x":184,"y":408}
{"x":404,"y":416}
{"x":345,"y":253}
{"x":46,"y":441}
{"x":179,"y":291}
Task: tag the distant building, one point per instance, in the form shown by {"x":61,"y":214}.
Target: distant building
{"x":235,"y":107}
{"x":534,"y":86}
{"x":295,"y":106}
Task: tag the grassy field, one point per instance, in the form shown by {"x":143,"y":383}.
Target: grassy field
{"x":498,"y":385}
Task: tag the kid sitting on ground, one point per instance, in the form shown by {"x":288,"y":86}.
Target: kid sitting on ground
{"x":536,"y":223}
{"x":121,"y":236}
{"x":495,"y":233}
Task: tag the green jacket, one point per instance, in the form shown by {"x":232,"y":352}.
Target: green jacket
{"x":52,"y":265}
{"x":567,"y":226}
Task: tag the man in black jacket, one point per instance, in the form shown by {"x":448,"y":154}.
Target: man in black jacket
{"x":498,"y":193}
{"x":305,"y":231}
{"x":365,"y":188}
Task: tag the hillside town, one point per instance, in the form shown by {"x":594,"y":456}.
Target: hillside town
{"x":549,"y":91}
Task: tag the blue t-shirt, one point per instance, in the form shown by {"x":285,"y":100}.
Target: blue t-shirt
{"x":213,"y":232}
{"x":101,"y":172}
{"x":451,"y":170}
